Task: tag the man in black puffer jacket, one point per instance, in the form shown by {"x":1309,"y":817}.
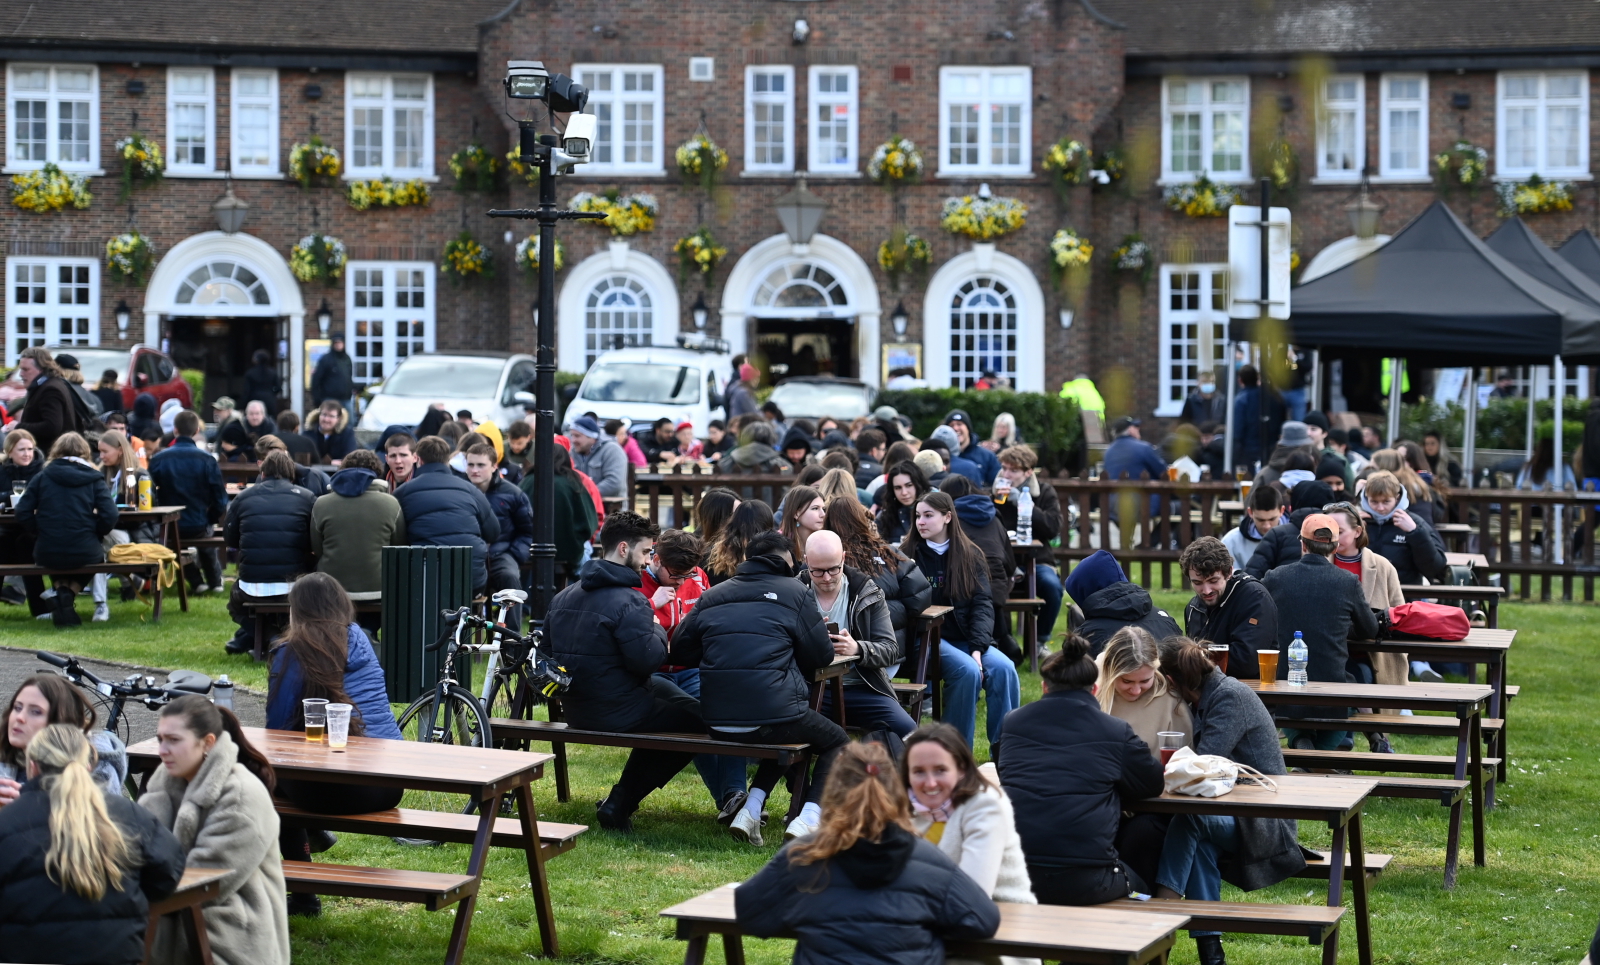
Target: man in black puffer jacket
{"x":758,"y":638}
{"x":442,"y":509}
{"x":270,"y":525}
{"x":1110,"y":602}
{"x":1282,"y":543}
{"x":514,"y":513}
{"x":603,"y":631}
{"x":1230,"y":609}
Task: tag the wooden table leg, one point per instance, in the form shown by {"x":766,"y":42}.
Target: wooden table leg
{"x":538,"y":877}
{"x":1358,"y":891}
{"x":816,"y":695}
{"x":838,"y":699}
{"x":196,"y":923}
{"x":1330,"y":947}
{"x":1479,"y":790}
{"x":156,"y":594}
{"x":733,"y":948}
{"x":1452,"y":846}
{"x":1500,"y":708}
{"x":1336,"y":858}
{"x":183,"y":584}
{"x":488,"y":810}
{"x":695,"y":952}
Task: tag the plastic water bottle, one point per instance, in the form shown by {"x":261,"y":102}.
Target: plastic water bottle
{"x":1024,"y":517}
{"x":1297,"y":661}
{"x":222,"y":692}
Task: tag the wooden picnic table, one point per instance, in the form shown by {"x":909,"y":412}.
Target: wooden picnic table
{"x":1092,"y":936}
{"x":198,"y":886}
{"x":485,"y":774}
{"x":835,"y":672}
{"x":1335,"y":801}
{"x":1455,"y":535}
{"x":165,"y":518}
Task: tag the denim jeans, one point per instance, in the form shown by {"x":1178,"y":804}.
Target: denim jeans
{"x":824,"y":736}
{"x":724,"y":776}
{"x":869,"y":710}
{"x":1050,"y":592}
{"x":1322,"y":740}
{"x":1189,"y":857}
{"x":961,"y":681}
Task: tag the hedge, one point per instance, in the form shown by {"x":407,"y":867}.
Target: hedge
{"x":1502,"y":424}
{"x":1047,"y":422}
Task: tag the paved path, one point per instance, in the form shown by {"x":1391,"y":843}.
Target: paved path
{"x":18,"y":664}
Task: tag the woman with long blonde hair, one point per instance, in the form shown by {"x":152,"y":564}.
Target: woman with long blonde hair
{"x":837,"y":482}
{"x":78,"y":867}
{"x":865,"y":888}
{"x":1131,"y":686}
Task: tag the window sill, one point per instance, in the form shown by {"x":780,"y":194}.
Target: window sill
{"x":1173,"y":181}
{"x":1402,"y":179}
{"x":830,"y":175}
{"x":349,"y":176}
{"x":259,"y":176}
{"x":196,"y":175}
{"x":586,"y":171}
{"x":92,"y":173}
{"x":1169,"y":411}
{"x":786,"y":173}
{"x":962,"y":174}
{"x":1581,"y":176}
{"x":1335,"y":180}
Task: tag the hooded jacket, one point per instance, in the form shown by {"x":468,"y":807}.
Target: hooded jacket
{"x":872,"y":629}
{"x":364,"y":684}
{"x":442,"y":510}
{"x":795,"y":438}
{"x":185,"y":475}
{"x":270,"y":525}
{"x":514,"y":512}
{"x":143,"y":422}
{"x":754,"y":457}
{"x":351,"y":525}
{"x":893,"y":901}
{"x":757,"y":638}
{"x":41,"y":921}
{"x":67,"y":508}
{"x":331,"y":445}
{"x":981,"y":524}
{"x":987,"y":462}
{"x":1245,"y":618}
{"x":1282,"y":544}
{"x":576,"y":518}
{"x":50,"y":412}
{"x":603,"y":631}
{"x":1417,"y":554}
{"x":1109,"y":602}
{"x":607,"y":465}
{"x":332,"y":378}
{"x":1242,"y":541}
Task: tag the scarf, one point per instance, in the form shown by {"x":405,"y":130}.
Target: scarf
{"x":939,"y":814}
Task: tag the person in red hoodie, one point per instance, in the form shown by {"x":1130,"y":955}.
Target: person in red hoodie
{"x":673,"y":580}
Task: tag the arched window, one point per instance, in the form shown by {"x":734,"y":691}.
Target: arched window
{"x":983,"y":331}
{"x":619,"y":313}
{"x":223,"y":283}
{"x":803,"y":287}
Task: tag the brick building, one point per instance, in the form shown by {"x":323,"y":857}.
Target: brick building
{"x":788,"y":89}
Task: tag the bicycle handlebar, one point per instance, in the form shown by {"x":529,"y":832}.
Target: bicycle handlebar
{"x":53,"y":659}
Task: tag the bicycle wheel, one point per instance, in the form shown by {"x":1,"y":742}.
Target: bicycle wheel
{"x":511,"y":696}
{"x":456,"y":718}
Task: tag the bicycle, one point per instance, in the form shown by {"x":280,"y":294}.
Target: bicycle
{"x":517,"y":677}
{"x":111,"y":698}
{"x":447,"y":713}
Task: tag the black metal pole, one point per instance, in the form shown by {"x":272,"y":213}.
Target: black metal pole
{"x":544,"y":431}
{"x":1261,"y":326}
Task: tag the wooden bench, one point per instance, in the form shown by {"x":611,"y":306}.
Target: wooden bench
{"x":198,"y":886}
{"x":1322,"y":866}
{"x":150,"y":571}
{"x":1318,"y":923}
{"x":554,"y":839}
{"x":430,"y":889}
{"x":262,"y":607}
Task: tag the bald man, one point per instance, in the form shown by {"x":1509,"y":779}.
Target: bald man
{"x":857,"y":615}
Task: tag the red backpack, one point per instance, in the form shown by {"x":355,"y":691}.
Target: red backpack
{"x":1429,"y":621}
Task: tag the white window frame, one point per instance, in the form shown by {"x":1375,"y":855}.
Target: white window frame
{"x":1207,"y":112}
{"x":619,"y":99}
{"x":643,"y":335}
{"x":1386,"y":105}
{"x":785,"y":100}
{"x":54,"y":97}
{"x":851,"y":101}
{"x":1543,"y":103}
{"x":986,"y":103}
{"x":270,"y":101}
{"x":1212,"y":282}
{"x":702,"y":69}
{"x":52,"y":308}
{"x":389,"y":314}
{"x":208,"y":100}
{"x":1357,"y":104}
{"x":388,"y":104}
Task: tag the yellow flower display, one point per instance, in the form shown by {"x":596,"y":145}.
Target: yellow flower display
{"x":626,"y":214}
{"x":1533,"y":196}
{"x":128,"y":257}
{"x":896,"y":160}
{"x":317,"y":257}
{"x":1068,"y":250}
{"x":312,"y":160}
{"x":465,"y":258}
{"x":49,"y":189}
{"x":1464,"y":165}
{"x":1070,"y":160}
{"x":387,"y":193}
{"x":698,"y":252}
{"x":982,"y":218}
{"x":528,"y":254}
{"x":141,"y":161}
{"x":699,"y":159}
{"x":903,"y":252}
{"x":1203,"y":198}
{"x":474,"y":168}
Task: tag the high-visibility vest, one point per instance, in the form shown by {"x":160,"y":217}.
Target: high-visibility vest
{"x":1405,"y":377}
{"x":1083,"y":392}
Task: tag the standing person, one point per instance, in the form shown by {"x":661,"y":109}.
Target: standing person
{"x":857,"y":615}
{"x":1201,"y":852}
{"x":214,"y":791}
{"x":270,"y":525}
{"x":1205,"y":403}
{"x":1110,"y":601}
{"x":597,"y":456}
{"x":261,"y":381}
{"x":969,"y":448}
{"x":331,"y":380}
{"x":799,"y":515}
{"x":896,"y":503}
{"x":870,"y":449}
{"x":1018,"y":473}
{"x":1263,"y":512}
{"x":1247,"y":424}
{"x":109,"y":391}
{"x":352,"y":523}
{"x":749,"y":520}
{"x":333,"y":435}
{"x":186,"y":475}
{"x":68,"y":510}
{"x":741,"y":395}
{"x":78,"y":867}
{"x":1229,"y":608}
{"x":48,"y":698}
{"x":1068,"y":815}
{"x":865,"y":889}
{"x":606,"y":635}
{"x":49,"y":411}
{"x":400,"y":457}
{"x":1325,"y":604}
{"x":442,"y":509}
{"x":757,"y":639}
{"x":1129,"y":456}
{"x":956,"y":570}
{"x":512,"y":510}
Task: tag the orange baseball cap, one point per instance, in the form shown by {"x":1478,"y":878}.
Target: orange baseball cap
{"x":1320,"y":528}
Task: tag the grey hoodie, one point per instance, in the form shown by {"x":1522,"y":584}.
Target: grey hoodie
{"x":607,"y":465}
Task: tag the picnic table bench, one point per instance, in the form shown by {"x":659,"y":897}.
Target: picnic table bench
{"x":262,"y":607}
{"x":198,"y":886}
{"x":484,"y":774}
{"x":1102,"y":935}
{"x":166,"y":517}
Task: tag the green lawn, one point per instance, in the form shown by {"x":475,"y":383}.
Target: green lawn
{"x":1534,"y":903}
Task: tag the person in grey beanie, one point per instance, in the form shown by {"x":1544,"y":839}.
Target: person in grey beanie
{"x":599,"y":457}
{"x":946,"y":436}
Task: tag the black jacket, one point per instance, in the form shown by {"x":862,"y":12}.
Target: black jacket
{"x":49,"y":413}
{"x":514,"y":513}
{"x":871,"y":628}
{"x":1324,"y":603}
{"x":332,"y":379}
{"x":1067,"y":766}
{"x":298,"y":445}
{"x":1417,"y":554}
{"x":312,"y":478}
{"x":184,"y":475}
{"x":1046,"y":521}
{"x":40,"y":921}
{"x":334,"y":445}
{"x":906,"y":591}
{"x":867,"y":469}
{"x":758,"y":638}
{"x":970,"y":624}
{"x":270,"y":525}
{"x":1122,"y":605}
{"x":1245,"y":618}
{"x":261,"y":384}
{"x":67,"y":509}
{"x":443,"y":510}
{"x":888,"y":902}
{"x":894,"y":520}
{"x":602,"y":629}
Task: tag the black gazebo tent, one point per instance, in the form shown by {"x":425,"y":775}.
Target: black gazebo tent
{"x":1582,"y":251}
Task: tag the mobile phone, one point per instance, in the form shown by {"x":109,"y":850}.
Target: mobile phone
{"x":833,"y":627}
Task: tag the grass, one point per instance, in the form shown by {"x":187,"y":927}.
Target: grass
{"x":1534,"y":903}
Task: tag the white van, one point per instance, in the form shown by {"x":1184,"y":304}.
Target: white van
{"x":648,"y":383}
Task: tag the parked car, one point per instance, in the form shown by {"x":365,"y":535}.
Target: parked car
{"x":143,"y":369}
{"x":492,"y":385}
{"x":815,"y":396}
{"x":654,"y":382}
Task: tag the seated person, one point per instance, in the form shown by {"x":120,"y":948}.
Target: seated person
{"x":68,"y":510}
{"x":1110,"y":602}
{"x":1282,"y":544}
{"x":975,"y":510}
{"x":958,"y":462}
{"x":442,"y":509}
{"x":305,"y":476}
{"x":508,"y":554}
{"x":399,"y":459}
{"x":352,"y":523}
{"x":270,"y":525}
{"x":1018,"y":472}
{"x":49,"y":698}
{"x":302,"y":449}
{"x":237,"y":439}
{"x":1262,"y":512}
{"x":757,"y":639}
{"x":905,"y":590}
{"x":333,"y":435}
{"x":603,"y":630}
{"x":1229,"y":608}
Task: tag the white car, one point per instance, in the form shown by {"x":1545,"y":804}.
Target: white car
{"x":649,"y":383}
{"x":493,"y":385}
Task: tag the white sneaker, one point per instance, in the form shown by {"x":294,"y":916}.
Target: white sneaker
{"x":45,"y":616}
{"x":746,"y":828}
{"x":1431,"y":676}
{"x":102,"y":612}
{"x":202,"y":588}
{"x":48,"y":594}
{"x":798,"y":828}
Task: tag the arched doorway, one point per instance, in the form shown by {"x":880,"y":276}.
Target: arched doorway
{"x":811,"y":309}
{"x":215,"y":298}
{"x":984,"y":311}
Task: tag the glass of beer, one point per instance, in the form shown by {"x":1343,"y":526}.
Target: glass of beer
{"x":338,"y":726}
{"x":1244,"y":489}
{"x":1172,"y":474}
{"x":1170,"y":741}
{"x":315,"y":710}
{"x":1219,"y":655}
{"x":1269,"y":666}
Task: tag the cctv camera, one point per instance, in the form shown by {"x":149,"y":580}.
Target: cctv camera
{"x":578,"y":140}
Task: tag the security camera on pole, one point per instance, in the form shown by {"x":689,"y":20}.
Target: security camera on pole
{"x":571,"y":144}
{"x":1258,"y":284}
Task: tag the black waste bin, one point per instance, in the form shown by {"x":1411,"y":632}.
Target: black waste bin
{"x":418,"y":583}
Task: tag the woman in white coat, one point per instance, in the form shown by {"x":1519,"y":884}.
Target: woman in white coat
{"x":214,"y":792}
{"x":956,"y":808}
